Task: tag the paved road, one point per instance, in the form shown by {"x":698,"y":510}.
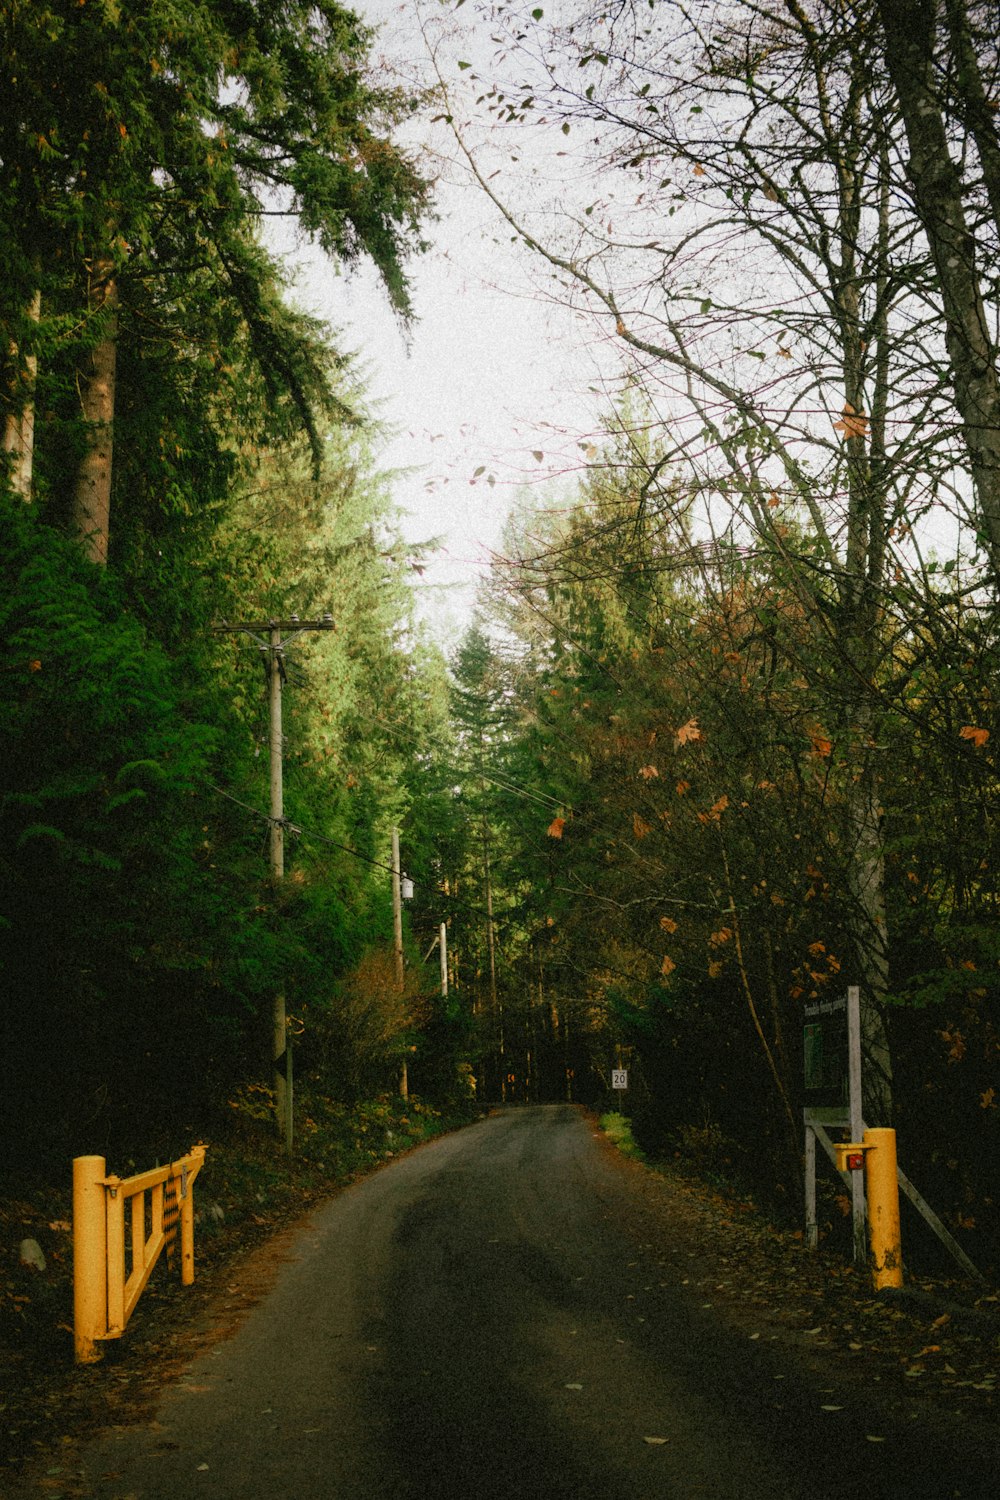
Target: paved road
{"x":478,"y":1322}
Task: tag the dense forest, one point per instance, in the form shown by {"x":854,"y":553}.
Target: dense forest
{"x":183,"y":449}
{"x":720,"y":740}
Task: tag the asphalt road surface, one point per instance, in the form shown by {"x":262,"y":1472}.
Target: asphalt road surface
{"x":479,"y":1321}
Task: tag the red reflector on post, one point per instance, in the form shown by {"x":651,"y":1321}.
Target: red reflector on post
{"x":855,"y":1161}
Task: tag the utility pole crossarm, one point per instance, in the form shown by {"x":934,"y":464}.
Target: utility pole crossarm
{"x":264,"y":627}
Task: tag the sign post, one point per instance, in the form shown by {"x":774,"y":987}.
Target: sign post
{"x":831,"y":1038}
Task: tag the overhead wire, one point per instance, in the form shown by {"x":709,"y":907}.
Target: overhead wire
{"x":321,"y":838}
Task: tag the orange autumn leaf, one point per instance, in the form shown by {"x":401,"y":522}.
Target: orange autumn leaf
{"x":555,"y":828}
{"x":722,"y":936}
{"x":955,"y":1042}
{"x":718,"y":808}
{"x":668,"y":966}
{"x":715,"y":968}
{"x":648,"y":772}
{"x":987,"y":1100}
{"x":977,"y":736}
{"x":852,"y":424}
{"x":668,"y":924}
{"x":639,"y":826}
{"x":699,"y":170}
{"x":689,"y":733}
{"x":821,"y":746}
{"x":682,"y":787}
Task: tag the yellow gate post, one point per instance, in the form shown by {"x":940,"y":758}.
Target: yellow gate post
{"x":187,"y":1218}
{"x":882,"y":1187}
{"x":90,"y":1258}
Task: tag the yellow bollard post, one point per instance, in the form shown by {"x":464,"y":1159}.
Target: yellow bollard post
{"x":90,"y":1258}
{"x":882,"y":1186}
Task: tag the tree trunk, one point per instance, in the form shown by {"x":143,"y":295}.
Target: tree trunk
{"x":974,"y":107}
{"x":96,"y":384}
{"x":19,"y":424}
{"x":910,"y":31}
{"x":866,"y":891}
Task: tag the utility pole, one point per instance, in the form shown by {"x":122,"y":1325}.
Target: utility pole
{"x":397,"y":933}
{"x":397,"y":909}
{"x":272,"y":636}
{"x":440,"y":942}
{"x":491,"y":946}
{"x":443,"y":944}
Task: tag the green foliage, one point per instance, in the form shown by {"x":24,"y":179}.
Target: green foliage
{"x":141,"y":147}
{"x":619,"y":1130}
{"x":143,"y":941}
{"x":342,"y":1140}
{"x":137,"y":915}
{"x":675,"y":785}
{"x":106,"y":951}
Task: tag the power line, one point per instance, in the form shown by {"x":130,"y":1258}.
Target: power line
{"x":322,"y":838}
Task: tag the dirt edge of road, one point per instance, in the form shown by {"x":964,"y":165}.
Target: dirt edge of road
{"x":930,"y":1353}
{"x":932,"y":1357}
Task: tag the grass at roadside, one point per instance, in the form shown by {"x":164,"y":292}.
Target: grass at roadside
{"x":619,"y":1130}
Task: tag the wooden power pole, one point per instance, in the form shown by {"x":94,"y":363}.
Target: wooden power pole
{"x":397,"y":934}
{"x":397,"y":909}
{"x":272,"y":636}
{"x":443,"y":944}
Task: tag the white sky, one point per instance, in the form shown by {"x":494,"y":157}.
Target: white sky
{"x":491,"y":374}
{"x":496,"y":370}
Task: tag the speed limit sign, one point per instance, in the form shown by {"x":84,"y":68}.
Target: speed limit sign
{"x":619,"y":1078}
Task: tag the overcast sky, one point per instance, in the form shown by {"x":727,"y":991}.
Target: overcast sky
{"x":492,"y":373}
{"x":496,"y":371}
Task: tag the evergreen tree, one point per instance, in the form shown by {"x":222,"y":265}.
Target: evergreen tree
{"x":144,"y":142}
